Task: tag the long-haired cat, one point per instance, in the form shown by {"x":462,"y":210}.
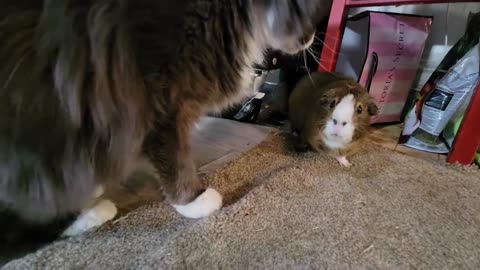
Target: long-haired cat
{"x":92,"y":89}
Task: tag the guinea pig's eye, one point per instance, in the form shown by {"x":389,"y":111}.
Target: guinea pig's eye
{"x":359,"y":109}
{"x":332,"y":104}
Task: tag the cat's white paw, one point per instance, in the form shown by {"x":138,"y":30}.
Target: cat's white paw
{"x":204,"y":205}
{"x":102,"y":212}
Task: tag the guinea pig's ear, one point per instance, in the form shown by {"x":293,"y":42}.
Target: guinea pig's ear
{"x":372,"y":107}
{"x":331,"y":102}
{"x":329,"y":99}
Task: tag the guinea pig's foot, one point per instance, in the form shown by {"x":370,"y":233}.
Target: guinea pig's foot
{"x":300,"y":148}
{"x":343,"y":161}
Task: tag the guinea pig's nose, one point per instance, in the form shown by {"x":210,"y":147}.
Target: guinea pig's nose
{"x":335,"y":122}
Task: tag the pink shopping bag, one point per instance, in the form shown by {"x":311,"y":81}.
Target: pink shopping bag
{"x":383,"y":51}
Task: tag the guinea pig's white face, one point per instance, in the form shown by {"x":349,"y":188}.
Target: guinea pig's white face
{"x":339,"y":128}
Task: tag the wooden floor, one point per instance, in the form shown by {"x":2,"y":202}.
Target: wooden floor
{"x":217,"y":141}
{"x":387,"y":136}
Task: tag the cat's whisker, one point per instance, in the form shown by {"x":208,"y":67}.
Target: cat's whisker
{"x":317,"y":60}
{"x":315,"y":56}
{"x":331,"y":36}
{"x":306,"y":66}
{"x":321,"y":42}
{"x":322,"y":66}
{"x":308,"y":70}
{"x":314,"y":51}
{"x":329,"y":48}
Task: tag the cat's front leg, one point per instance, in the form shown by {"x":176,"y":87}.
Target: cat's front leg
{"x":90,"y":218}
{"x":168,"y":148}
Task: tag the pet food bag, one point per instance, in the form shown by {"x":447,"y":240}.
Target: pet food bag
{"x":382,"y":51}
{"x":447,"y":101}
{"x":446,"y":94}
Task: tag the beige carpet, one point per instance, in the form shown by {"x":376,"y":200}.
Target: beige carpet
{"x":289,"y":211}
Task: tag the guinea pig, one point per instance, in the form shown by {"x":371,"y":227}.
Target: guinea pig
{"x":330,"y":113}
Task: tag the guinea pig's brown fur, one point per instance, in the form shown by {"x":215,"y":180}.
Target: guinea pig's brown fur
{"x":312,"y":103}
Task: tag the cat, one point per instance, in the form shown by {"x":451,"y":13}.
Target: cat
{"x":91,"y":90}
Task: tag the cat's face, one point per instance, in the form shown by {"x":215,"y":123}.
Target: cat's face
{"x":289,"y":25}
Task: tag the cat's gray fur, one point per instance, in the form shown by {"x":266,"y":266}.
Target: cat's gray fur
{"x":89,"y":86}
